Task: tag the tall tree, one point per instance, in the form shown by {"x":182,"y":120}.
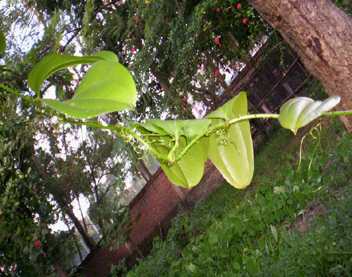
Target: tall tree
{"x":321,"y":34}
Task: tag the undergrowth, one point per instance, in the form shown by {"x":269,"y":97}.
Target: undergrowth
{"x":250,"y":233}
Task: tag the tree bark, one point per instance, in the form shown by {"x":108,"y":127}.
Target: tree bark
{"x":86,"y":238}
{"x":60,"y":272}
{"x":144,"y":171}
{"x":321,"y":34}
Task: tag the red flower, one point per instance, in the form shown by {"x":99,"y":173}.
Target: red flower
{"x":37,"y":244}
{"x":133,"y":51}
{"x":238,"y":6}
{"x":245,"y":21}
{"x":217,"y":40}
{"x":216,"y":72}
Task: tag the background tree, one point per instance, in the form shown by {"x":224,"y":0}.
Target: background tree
{"x":43,"y":174}
{"x":179,"y":51}
{"x":28,"y":246}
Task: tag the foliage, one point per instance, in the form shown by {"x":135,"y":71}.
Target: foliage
{"x":2,"y":43}
{"x":250,"y":233}
{"x":177,"y":50}
{"x":172,"y":138}
{"x":345,"y":5}
{"x":181,"y":146}
{"x":25,"y":209}
{"x":55,"y":62}
{"x":42,"y":171}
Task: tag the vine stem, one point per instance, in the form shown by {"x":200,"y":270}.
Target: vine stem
{"x":120,"y":131}
{"x":239,"y":119}
{"x":338,"y":113}
{"x":226,"y":124}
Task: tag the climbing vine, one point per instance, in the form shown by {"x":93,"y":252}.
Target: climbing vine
{"x":181,"y":146}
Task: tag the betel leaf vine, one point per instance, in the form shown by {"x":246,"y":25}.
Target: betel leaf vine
{"x":181,"y":146}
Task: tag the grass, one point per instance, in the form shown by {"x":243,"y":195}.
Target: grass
{"x":252,"y":233}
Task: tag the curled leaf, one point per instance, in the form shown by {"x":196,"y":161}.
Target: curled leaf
{"x":300,"y":111}
{"x":55,"y":62}
{"x":107,"y":87}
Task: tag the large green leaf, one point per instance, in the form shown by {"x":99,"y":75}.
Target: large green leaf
{"x":300,"y":111}
{"x":2,"y":44}
{"x":231,"y":151}
{"x":107,"y":87}
{"x":55,"y":62}
{"x":162,"y":134}
{"x":189,"y":170}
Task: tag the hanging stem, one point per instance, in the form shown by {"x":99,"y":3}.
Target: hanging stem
{"x":120,"y":131}
{"x":239,"y":119}
{"x":142,"y":141}
{"x":184,"y":151}
{"x":171,"y":155}
{"x":338,"y":113}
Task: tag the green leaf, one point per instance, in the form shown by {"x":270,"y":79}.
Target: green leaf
{"x":232,"y":151}
{"x":2,"y":44}
{"x":274,"y":232}
{"x":107,"y":87}
{"x":107,"y":55}
{"x":189,"y":170}
{"x":55,"y":62}
{"x":300,"y":111}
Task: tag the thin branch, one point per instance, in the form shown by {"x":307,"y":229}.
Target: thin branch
{"x":338,"y":113}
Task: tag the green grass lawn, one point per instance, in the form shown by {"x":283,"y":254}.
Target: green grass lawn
{"x":257,"y":232}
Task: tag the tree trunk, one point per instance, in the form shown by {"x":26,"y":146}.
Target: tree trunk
{"x":54,"y":188}
{"x":60,"y":272}
{"x":144,"y":171}
{"x":321,"y":34}
{"x":87,"y":240}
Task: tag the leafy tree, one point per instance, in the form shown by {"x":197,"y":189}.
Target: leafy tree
{"x":177,"y":50}
{"x":39,"y":185}
{"x":28,"y":246}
